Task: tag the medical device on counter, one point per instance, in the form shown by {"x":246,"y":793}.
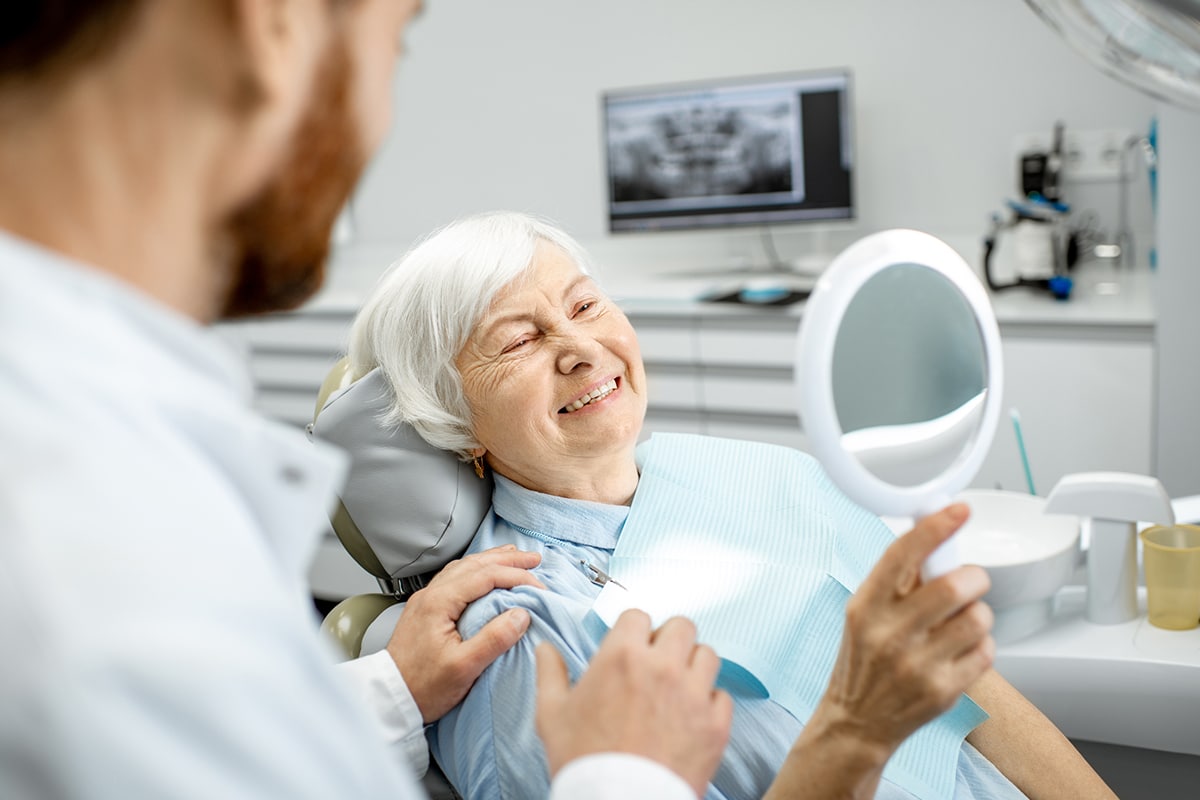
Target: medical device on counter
{"x":1043,"y":248}
{"x":1039,"y":246}
{"x":1041,"y":172}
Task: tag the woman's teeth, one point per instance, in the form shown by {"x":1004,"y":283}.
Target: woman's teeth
{"x":596,"y":394}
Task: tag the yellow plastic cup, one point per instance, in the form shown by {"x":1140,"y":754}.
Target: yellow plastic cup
{"x":1171,"y":556}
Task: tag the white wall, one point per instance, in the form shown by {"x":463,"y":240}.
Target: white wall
{"x":1177,"y":299}
{"x":498,"y":107}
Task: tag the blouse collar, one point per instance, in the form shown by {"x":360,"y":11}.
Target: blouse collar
{"x":577,"y":521}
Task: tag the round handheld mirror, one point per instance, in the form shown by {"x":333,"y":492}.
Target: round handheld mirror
{"x":898,"y":376}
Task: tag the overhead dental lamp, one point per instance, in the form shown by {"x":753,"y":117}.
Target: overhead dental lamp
{"x":1153,"y":45}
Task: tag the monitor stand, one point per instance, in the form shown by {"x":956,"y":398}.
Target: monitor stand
{"x":744,"y":271}
{"x":808,"y":266}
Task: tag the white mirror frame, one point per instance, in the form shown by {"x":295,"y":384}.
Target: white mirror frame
{"x":819,"y":324}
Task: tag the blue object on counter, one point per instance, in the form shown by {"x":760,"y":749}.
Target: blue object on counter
{"x":1035,"y":206}
{"x":1060,"y":286}
{"x":763,"y":294}
{"x":1152,"y":138}
{"x":1016,"y":421}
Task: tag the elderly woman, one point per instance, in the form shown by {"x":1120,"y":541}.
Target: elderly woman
{"x":500,"y":346}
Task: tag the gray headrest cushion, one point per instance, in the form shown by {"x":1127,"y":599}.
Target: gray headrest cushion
{"x":417,"y":506}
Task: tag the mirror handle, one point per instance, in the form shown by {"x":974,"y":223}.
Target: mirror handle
{"x":942,"y":560}
{"x":948,"y":555}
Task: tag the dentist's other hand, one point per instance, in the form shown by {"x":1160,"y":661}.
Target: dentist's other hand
{"x":650,"y":693}
{"x":437,"y":664}
{"x":910,"y":649}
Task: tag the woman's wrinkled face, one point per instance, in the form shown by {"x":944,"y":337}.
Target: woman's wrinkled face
{"x":553,"y":376}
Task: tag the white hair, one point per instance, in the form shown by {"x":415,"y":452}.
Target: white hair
{"x":425,"y":307}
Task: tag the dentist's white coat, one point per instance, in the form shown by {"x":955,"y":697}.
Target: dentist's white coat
{"x":156,"y":634}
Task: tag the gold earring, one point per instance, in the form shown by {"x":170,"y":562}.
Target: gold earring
{"x":479,"y":467}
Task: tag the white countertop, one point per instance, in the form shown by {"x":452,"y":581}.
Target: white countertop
{"x":1103,"y":294}
{"x":1129,"y":684}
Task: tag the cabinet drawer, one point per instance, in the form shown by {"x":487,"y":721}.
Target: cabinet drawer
{"x":295,"y":407}
{"x":671,"y":421}
{"x":300,"y":371}
{"x":766,"y":391}
{"x":669,"y":340}
{"x":767,"y":342}
{"x":676,"y":388}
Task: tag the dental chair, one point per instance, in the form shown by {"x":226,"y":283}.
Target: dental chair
{"x":407,"y":509}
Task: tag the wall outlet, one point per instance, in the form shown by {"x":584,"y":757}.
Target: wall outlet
{"x":1087,"y":155}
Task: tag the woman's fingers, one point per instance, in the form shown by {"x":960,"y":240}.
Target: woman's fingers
{"x":899,"y":568}
{"x":933,"y":603}
{"x":962,"y":632}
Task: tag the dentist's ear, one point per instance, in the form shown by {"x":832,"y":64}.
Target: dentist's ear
{"x":281,"y":42}
{"x":266,"y":66}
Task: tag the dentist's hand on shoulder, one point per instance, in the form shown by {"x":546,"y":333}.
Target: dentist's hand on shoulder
{"x":646,"y":692}
{"x":437,"y":664}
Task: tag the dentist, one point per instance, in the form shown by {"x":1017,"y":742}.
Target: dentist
{"x":165,"y":164}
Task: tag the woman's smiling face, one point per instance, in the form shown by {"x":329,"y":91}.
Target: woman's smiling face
{"x":554,"y":379}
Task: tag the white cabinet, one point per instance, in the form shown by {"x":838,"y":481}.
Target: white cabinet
{"x":720,"y":373}
{"x":1085,"y":396}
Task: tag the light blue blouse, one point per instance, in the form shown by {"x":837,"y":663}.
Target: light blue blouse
{"x":488,"y":746}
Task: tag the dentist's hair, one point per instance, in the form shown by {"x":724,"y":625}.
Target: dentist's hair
{"x":56,"y":39}
{"x":425,"y":307}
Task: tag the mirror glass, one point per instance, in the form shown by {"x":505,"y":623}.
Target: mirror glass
{"x":908,"y":374}
{"x":898,"y":375}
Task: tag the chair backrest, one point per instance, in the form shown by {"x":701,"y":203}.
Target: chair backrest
{"x":407,"y":508}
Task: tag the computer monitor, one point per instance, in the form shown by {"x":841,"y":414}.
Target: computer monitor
{"x":744,"y":151}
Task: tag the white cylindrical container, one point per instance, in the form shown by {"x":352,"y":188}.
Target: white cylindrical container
{"x":1111,"y":571}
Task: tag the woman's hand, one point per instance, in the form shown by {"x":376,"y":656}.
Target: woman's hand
{"x":646,"y":693}
{"x":438,"y":665}
{"x":908,"y":651}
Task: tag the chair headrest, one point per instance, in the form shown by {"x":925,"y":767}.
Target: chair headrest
{"x":416,"y":507}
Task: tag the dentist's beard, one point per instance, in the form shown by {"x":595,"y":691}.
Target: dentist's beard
{"x":277,"y":244}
